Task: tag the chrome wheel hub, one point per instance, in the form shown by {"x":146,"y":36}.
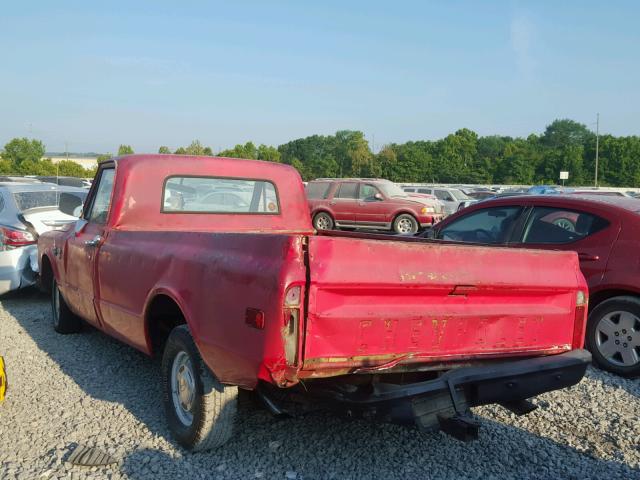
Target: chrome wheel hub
{"x":618,"y":338}
{"x":322,"y":223}
{"x":183,"y":387}
{"x":405,"y":226}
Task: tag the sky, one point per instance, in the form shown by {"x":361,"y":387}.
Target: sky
{"x":93,"y":75}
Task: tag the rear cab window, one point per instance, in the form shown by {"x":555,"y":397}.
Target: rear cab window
{"x":189,"y":194}
{"x":559,"y":225}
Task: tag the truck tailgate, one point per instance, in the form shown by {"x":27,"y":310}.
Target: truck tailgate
{"x":375,"y":303}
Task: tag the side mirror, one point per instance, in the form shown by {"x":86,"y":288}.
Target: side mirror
{"x":79,"y":227}
{"x":378,"y":196}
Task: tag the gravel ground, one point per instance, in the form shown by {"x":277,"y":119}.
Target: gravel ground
{"x":89,"y":389}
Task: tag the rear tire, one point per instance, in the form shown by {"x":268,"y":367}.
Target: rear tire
{"x":200,"y":410}
{"x":64,"y":320}
{"x":405,"y":224}
{"x":323,"y":221}
{"x":616,"y":320}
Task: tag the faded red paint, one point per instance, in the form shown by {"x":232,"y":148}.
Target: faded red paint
{"x":372,"y":303}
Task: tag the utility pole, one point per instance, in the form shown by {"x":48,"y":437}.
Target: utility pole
{"x":597,"y":145}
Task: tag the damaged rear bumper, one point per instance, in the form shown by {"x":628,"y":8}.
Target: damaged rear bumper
{"x":444,"y":402}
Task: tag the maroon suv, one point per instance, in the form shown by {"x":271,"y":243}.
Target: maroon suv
{"x":604,"y":231}
{"x":369,"y":203}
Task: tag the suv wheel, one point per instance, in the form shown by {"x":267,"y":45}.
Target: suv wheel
{"x":323,"y":221}
{"x":613,"y":335}
{"x":405,"y":224}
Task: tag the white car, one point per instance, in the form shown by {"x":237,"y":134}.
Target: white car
{"x":26,"y":211}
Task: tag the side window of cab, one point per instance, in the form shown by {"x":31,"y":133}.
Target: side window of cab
{"x":98,"y":209}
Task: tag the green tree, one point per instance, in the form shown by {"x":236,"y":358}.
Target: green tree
{"x":565,"y":132}
{"x":21,"y":150}
{"x":104,"y":157}
{"x":68,"y":168}
{"x":125,"y":150}
{"x":195,"y":148}
{"x":164,"y":150}
{"x":268,"y":153}
{"x":180,"y":151}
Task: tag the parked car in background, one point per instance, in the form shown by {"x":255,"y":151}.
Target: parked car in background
{"x":453,"y":199}
{"x":368,"y":203}
{"x":257,"y":299}
{"x":26,"y":211}
{"x":482,"y":194}
{"x":605,"y":231}
{"x":598,"y":191}
{"x":65,"y":181}
{"x":544,"y":190}
{"x":13,"y":178}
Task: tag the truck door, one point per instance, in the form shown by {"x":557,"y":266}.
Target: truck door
{"x":82,"y":248}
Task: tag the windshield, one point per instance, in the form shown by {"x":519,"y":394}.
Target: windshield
{"x":66,"y":202}
{"x":392,"y":190}
{"x":459,"y":195}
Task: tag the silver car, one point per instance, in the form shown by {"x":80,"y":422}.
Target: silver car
{"x":26,"y":211}
{"x":453,"y":199}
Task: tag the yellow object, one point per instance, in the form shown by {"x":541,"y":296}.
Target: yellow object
{"x":3,"y":380}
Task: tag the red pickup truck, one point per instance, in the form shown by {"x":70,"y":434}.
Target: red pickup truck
{"x":213,"y":264}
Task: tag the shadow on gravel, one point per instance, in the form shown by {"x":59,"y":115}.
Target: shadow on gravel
{"x":314,"y":447}
{"x":613,"y":381}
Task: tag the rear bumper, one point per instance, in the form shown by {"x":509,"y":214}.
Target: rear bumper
{"x":496,"y":383}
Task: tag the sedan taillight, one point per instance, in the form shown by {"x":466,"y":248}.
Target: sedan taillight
{"x":11,"y":237}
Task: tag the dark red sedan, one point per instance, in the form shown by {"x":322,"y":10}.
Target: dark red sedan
{"x":604,"y":231}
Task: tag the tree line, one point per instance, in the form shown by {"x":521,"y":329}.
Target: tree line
{"x":461,"y":157}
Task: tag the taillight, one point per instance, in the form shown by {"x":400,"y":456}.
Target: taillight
{"x":580,"y":319}
{"x":291,"y":320}
{"x":16,"y":238}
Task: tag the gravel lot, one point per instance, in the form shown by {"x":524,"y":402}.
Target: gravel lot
{"x":91,"y":390}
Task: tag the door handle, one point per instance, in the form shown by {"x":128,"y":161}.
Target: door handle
{"x":587,"y":257}
{"x":94,"y":242}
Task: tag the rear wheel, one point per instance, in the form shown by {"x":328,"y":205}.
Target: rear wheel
{"x":64,"y":320}
{"x":323,"y":221}
{"x":200,"y":410}
{"x":405,"y":224}
{"x":613,"y":335}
